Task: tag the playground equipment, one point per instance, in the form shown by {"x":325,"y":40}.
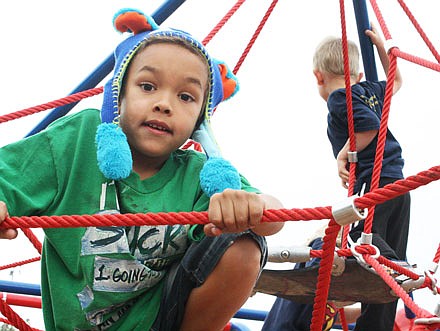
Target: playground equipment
{"x":87,"y":88}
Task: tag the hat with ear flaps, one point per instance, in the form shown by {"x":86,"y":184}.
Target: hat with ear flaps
{"x":113,"y":150}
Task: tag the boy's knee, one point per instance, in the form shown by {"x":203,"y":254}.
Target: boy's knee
{"x":244,"y":254}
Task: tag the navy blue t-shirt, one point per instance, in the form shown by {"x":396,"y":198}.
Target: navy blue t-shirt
{"x":367,"y":99}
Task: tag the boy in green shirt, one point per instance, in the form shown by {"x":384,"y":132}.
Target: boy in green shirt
{"x":164,"y":90}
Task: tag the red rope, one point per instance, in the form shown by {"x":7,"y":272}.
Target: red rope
{"x":398,"y":268}
{"x":255,"y":36}
{"x":399,"y":53}
{"x":350,"y":117}
{"x":348,"y":96}
{"x":437,"y":255}
{"x":420,"y":30}
{"x":381,"y":140}
{"x":172,"y":218}
{"x":33,"y":239}
{"x":397,"y":188}
{"x":17,"y":264}
{"x":53,"y":104}
{"x":415,"y":59}
{"x":396,"y":288}
{"x":370,"y":199}
{"x":37,"y":244}
{"x":380,"y":19}
{"x":343,"y":319}
{"x":222,"y":22}
{"x":329,"y":240}
{"x":324,"y":275}
{"x":13,"y":318}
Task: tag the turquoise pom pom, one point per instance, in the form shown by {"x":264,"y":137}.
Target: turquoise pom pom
{"x":217,"y":175}
{"x":113,"y":152}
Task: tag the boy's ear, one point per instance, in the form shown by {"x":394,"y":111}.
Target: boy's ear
{"x":319,"y":77}
{"x":360,"y":76}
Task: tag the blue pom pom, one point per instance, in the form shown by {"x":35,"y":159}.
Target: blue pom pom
{"x":113,"y":152}
{"x":217,"y":175}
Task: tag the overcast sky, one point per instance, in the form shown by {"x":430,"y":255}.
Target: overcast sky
{"x":273,"y":130}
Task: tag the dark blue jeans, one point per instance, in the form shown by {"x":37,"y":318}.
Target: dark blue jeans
{"x":390,"y":234}
{"x":199,"y":261}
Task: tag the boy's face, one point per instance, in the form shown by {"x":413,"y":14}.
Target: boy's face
{"x":163,"y":96}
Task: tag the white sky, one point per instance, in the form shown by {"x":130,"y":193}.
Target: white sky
{"x":273,"y":130}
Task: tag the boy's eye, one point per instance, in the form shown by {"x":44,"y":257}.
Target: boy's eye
{"x":186,"y":97}
{"x":147,"y":87}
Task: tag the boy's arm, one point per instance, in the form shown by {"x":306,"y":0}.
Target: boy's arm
{"x":363,"y":139}
{"x":7,"y":233}
{"x":238,"y":211}
{"x":380,"y":46}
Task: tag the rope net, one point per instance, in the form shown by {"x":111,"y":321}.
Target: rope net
{"x":367,"y":254}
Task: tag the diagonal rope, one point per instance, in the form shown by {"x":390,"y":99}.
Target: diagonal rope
{"x":419,"y":30}
{"x":53,"y":104}
{"x":396,"y":287}
{"x":255,"y":36}
{"x":13,"y":318}
{"x":381,"y":139}
{"x":222,"y":22}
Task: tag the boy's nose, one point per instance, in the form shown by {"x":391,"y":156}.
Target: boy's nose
{"x":162,"y":107}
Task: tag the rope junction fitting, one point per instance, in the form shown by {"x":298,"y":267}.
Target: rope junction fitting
{"x":345,"y":212}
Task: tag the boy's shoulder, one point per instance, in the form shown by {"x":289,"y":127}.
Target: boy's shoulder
{"x":369,"y":88}
{"x":90,"y":115}
{"x":338,"y":96}
{"x":370,"y":84}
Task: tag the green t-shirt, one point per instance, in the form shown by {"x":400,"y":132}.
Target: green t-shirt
{"x":99,"y":278}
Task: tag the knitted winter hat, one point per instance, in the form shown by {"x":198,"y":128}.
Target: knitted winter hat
{"x":113,"y":151}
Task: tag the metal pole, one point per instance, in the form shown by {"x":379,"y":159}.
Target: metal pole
{"x":363,"y":23}
{"x":21,"y":288}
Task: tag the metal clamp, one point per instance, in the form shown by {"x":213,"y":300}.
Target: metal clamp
{"x":352,"y":156}
{"x":289,"y":254}
{"x":408,"y":284}
{"x":427,"y":320}
{"x":346,"y":212}
{"x":363,"y":240}
{"x":366,"y":238}
{"x":433,"y":267}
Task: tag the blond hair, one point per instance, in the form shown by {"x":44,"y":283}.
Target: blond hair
{"x":329,"y":58}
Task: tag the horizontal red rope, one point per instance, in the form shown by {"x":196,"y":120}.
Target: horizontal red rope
{"x":53,"y":104}
{"x":397,"y":188}
{"x":17,"y":264}
{"x":273,"y":215}
{"x":71,"y":221}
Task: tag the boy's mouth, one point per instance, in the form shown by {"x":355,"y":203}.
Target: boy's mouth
{"x":157,"y":126}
